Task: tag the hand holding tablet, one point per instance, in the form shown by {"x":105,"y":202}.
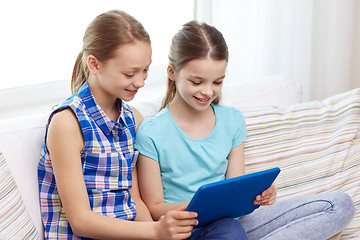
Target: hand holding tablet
{"x":232,"y":197}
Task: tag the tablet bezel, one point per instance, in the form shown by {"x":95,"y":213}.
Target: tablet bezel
{"x":230,"y":198}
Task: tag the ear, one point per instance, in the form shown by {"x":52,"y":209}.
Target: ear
{"x":171,"y":72}
{"x":93,"y":64}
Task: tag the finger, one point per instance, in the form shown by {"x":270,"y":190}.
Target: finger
{"x":181,"y":232}
{"x":262,"y":200}
{"x":181,"y":215}
{"x":267,"y":201}
{"x":182,"y":208}
{"x":193,"y":214}
{"x":183,"y":235}
{"x":185,"y":229}
{"x":188,"y":222}
{"x":269,"y":191}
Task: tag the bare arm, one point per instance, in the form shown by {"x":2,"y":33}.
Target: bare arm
{"x":65,"y":142}
{"x":236,"y":163}
{"x":151,"y":188}
{"x":142,"y":212}
{"x":236,"y":167}
{"x":138,"y":117}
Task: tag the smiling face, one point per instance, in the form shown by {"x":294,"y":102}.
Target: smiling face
{"x":198,"y":83}
{"x":122,"y":75}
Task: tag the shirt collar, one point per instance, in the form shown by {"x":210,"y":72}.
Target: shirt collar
{"x":101,"y":119}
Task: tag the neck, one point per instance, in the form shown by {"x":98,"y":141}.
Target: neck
{"x":195,"y":124}
{"x":106,"y":101}
{"x":180,"y":109}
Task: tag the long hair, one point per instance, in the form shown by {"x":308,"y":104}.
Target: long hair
{"x":194,"y":41}
{"x":102,"y":37}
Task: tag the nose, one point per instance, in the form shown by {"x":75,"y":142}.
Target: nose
{"x":207,"y":90}
{"x":139,"y":82}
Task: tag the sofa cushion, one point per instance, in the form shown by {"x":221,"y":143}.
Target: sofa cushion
{"x":273,"y":91}
{"x":21,"y":141}
{"x":316,"y":144}
{"x":15,"y":222}
{"x":270,"y":91}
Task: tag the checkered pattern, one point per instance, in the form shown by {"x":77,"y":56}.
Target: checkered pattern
{"x":107,"y":160}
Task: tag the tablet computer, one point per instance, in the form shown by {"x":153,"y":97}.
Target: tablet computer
{"x":230,"y":198}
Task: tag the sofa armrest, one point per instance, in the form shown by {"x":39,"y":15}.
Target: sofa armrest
{"x":21,"y":141}
{"x":316,"y":145}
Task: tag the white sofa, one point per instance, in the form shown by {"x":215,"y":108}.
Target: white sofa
{"x":316,"y":144}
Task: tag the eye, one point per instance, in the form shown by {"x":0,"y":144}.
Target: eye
{"x":195,"y":83}
{"x":129,"y":75}
{"x":218,"y":83}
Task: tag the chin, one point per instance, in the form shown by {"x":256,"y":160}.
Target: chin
{"x":127,"y":99}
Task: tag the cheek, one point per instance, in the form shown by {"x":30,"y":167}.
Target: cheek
{"x":189,"y":90}
{"x":116,"y":80}
{"x":218,"y":89}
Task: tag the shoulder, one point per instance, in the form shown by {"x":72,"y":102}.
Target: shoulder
{"x":64,"y":126}
{"x":230,"y":119}
{"x":229,"y":111}
{"x":138,"y":117}
{"x":156,"y":124}
{"x":64,"y":118}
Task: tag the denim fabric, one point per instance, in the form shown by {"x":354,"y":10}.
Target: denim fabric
{"x":223,"y":229}
{"x":315,"y":217}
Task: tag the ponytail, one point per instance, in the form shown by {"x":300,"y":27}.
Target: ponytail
{"x":170,"y":93}
{"x":80,"y":73}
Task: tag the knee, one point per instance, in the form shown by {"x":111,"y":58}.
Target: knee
{"x":347,"y":205}
{"x":344,"y":207}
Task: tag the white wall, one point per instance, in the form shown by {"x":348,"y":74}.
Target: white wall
{"x":315,"y":42}
{"x":356,"y":49}
{"x":333,"y":46}
{"x":43,"y":97}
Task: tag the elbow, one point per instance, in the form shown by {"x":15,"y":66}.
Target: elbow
{"x":79,"y":225}
{"x":154,"y":212}
{"x":78,"y":228}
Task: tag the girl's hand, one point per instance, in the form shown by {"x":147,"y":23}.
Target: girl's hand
{"x":176,"y":224}
{"x":267,"y":197}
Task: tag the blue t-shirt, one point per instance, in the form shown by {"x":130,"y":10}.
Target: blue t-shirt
{"x":187,"y":163}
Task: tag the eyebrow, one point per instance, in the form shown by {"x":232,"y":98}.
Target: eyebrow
{"x":136,"y":68}
{"x":200,"y":78}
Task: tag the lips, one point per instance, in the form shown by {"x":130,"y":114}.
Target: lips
{"x":132,"y":91}
{"x":202,"y":100}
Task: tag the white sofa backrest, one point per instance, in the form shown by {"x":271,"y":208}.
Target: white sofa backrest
{"x":270,"y":91}
{"x":21,"y":139}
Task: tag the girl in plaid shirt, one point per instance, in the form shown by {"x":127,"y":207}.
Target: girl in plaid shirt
{"x":87,"y":174}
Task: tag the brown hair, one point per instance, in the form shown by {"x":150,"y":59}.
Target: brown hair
{"x":102,"y":37}
{"x":194,"y":41}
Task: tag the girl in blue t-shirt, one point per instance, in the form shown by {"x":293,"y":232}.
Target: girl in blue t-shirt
{"x":193,"y":141}
{"x":87,"y":174}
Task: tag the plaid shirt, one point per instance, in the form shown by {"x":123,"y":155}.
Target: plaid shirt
{"x":108,"y":159}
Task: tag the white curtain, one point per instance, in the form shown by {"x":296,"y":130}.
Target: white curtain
{"x":315,"y":42}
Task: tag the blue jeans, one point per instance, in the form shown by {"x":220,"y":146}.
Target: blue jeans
{"x":317,"y":217}
{"x":223,"y":229}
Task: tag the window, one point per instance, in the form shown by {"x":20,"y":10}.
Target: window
{"x":41,"y":39}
